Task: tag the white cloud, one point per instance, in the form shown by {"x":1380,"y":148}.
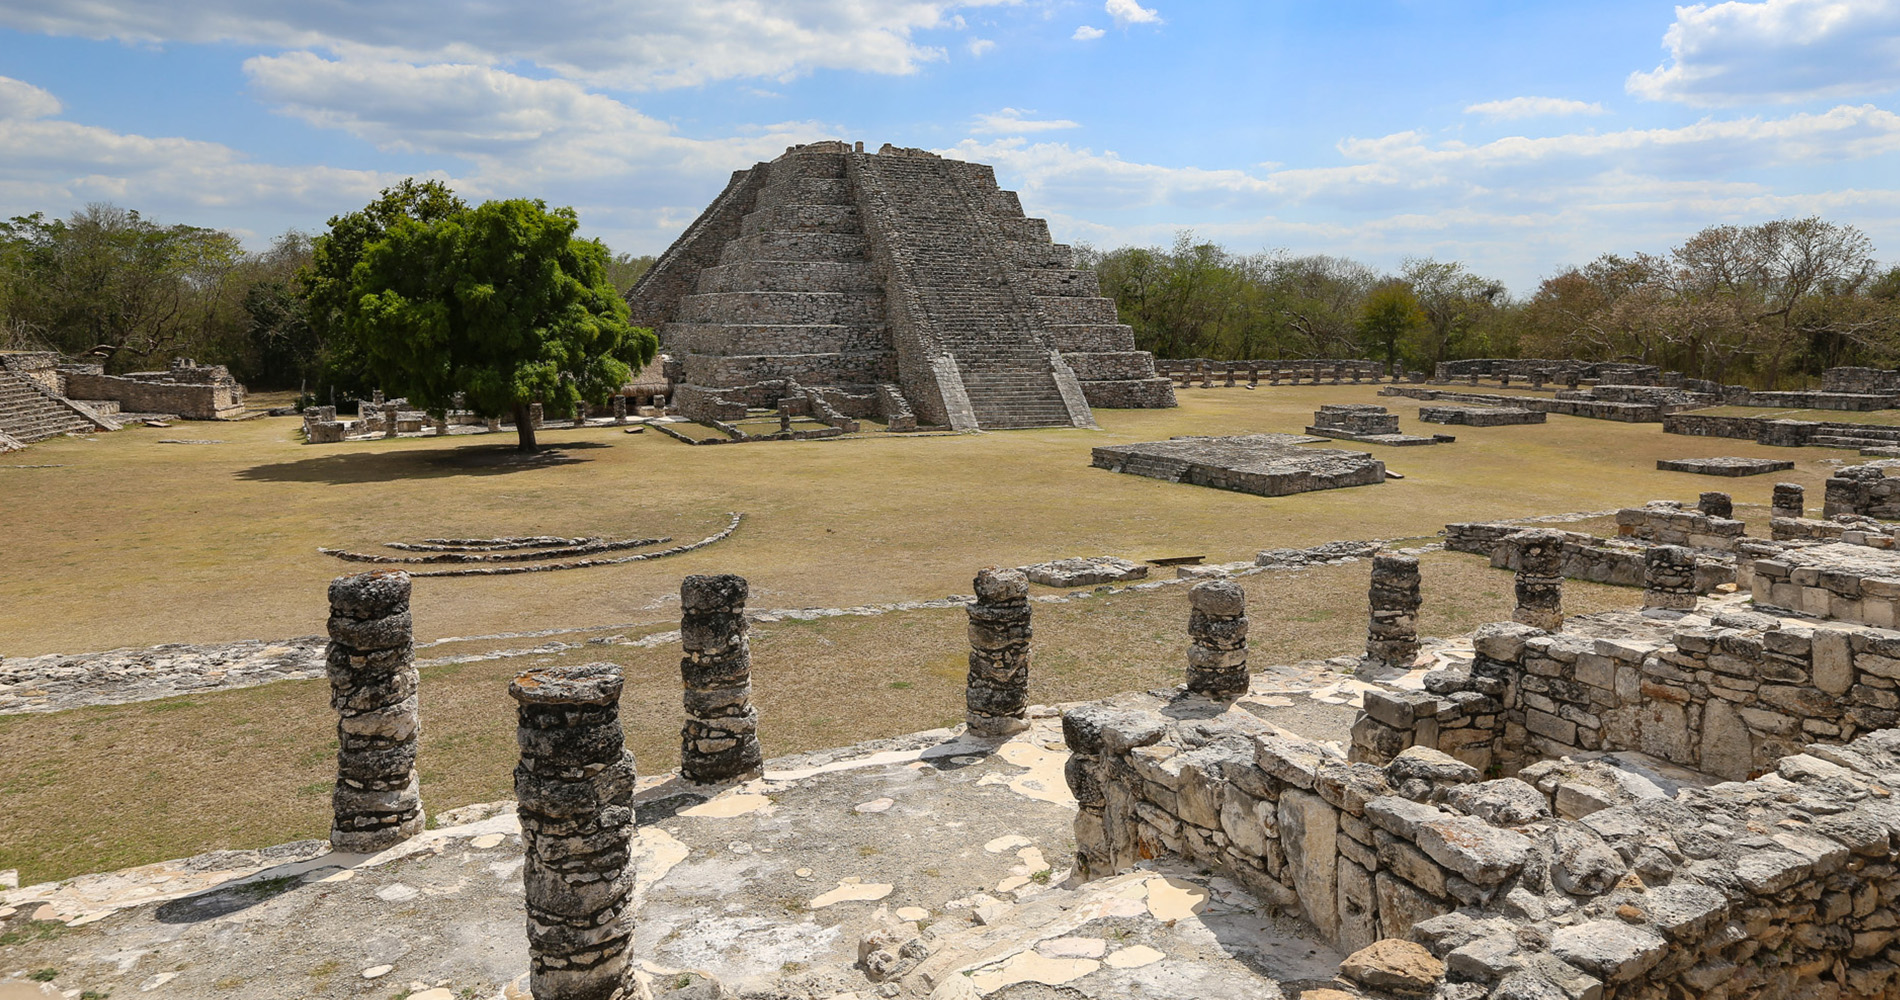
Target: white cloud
{"x":1515,"y":207}
{"x":1776,"y":51}
{"x":55,"y":165}
{"x":1011,"y":121}
{"x":980,"y":46}
{"x":1127,"y":12}
{"x":1087,"y":33}
{"x":634,"y":44}
{"x":1531,"y":107}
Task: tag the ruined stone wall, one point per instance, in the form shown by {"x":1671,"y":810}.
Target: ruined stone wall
{"x":1865,"y":490}
{"x":1666,"y":522}
{"x":1619,"y":373}
{"x":1585,"y":556}
{"x":195,"y":392}
{"x":1728,"y":699}
{"x":1779,"y":886}
{"x":1861,"y":380}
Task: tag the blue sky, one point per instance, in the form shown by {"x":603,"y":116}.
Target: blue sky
{"x":1518,"y":137}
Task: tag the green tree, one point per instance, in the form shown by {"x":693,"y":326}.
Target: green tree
{"x":1457,"y":304}
{"x":1390,"y":314}
{"x":500,"y":303}
{"x":325,"y":282}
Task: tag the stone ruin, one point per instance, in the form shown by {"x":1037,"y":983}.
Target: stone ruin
{"x":1268,"y":465}
{"x":1729,"y":466}
{"x":1368,"y":424}
{"x":899,"y":282}
{"x":1480,"y":416}
{"x":44,"y":394}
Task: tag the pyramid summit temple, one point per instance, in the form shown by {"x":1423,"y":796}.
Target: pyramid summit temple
{"x":896,"y":285}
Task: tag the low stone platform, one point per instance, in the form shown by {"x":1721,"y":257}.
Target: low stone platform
{"x":1480,"y":416}
{"x":1367,"y":424}
{"x":1725,"y":466}
{"x":1268,"y":465}
{"x":1850,"y":583}
{"x":957,"y":849}
{"x":1085,"y":571}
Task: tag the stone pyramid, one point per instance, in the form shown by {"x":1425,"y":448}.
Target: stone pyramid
{"x":890,"y":283}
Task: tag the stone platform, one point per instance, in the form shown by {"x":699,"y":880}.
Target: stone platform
{"x":1480,"y":416}
{"x":1367,"y":424}
{"x":956,"y":847}
{"x":1268,"y":465}
{"x":1725,"y":466}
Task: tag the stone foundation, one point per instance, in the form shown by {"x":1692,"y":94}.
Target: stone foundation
{"x":1268,"y":465}
{"x":1724,"y":466}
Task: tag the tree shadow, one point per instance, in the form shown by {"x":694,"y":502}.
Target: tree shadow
{"x":344,"y":468}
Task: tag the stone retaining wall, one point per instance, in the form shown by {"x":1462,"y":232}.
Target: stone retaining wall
{"x":1779,"y":886}
{"x":195,"y":392}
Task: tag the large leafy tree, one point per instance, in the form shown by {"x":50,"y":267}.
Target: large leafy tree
{"x":325,"y":281}
{"x":500,"y":303}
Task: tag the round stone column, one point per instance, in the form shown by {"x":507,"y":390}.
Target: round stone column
{"x":1790,"y":500}
{"x":574,"y":788}
{"x":371,"y":662}
{"x":720,"y":741}
{"x":996,"y":694}
{"x":1540,"y":581}
{"x":1392,"y":631}
{"x":1217,"y":627}
{"x":1669,"y":578}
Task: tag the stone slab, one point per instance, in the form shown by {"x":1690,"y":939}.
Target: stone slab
{"x":1262,"y":464}
{"x":1724,"y":466}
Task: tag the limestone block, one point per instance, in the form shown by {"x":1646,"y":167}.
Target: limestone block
{"x":1308,"y":834}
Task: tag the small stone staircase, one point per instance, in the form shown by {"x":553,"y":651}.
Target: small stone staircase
{"x":30,"y":413}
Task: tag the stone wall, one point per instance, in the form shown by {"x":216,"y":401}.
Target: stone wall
{"x":1861,"y":380}
{"x":1778,"y":886}
{"x":1865,"y":490}
{"x":1620,"y":373}
{"x":1585,"y":556}
{"x":192,"y":391}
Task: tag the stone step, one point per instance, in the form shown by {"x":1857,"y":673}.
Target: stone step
{"x":789,"y":276}
{"x":803,"y":219}
{"x":770,"y":338}
{"x":783,"y":246}
{"x":821,"y":308}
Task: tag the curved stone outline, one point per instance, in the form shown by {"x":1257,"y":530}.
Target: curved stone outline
{"x":490,"y":544}
{"x":459,"y":557}
{"x":584,"y":563}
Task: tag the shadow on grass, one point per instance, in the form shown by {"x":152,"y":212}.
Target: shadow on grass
{"x":384,"y":466}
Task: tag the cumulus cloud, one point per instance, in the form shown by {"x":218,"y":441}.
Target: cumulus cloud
{"x":1013,"y":121}
{"x":1531,"y":107}
{"x":1087,"y":33}
{"x":22,"y":100}
{"x":981,"y":46}
{"x":1516,"y":207}
{"x":633,"y":44}
{"x":1776,"y":51}
{"x":1127,"y":12}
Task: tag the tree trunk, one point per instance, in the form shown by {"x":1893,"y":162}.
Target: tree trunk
{"x":524,"y":429}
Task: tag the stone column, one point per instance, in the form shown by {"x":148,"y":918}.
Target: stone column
{"x":1540,"y":581}
{"x":574,"y":788}
{"x":1790,"y":500}
{"x":996,"y":694}
{"x":620,"y":409}
{"x":720,"y":741}
{"x":370,"y":660}
{"x":1392,"y":633}
{"x":376,"y":396}
{"x":1082,"y":731}
{"x":580,"y":414}
{"x":1504,"y":379}
{"x":1230,"y":375}
{"x":1474,"y":378}
{"x":1572,"y":379}
{"x":784,"y":416}
{"x":389,"y":420}
{"x":1217,"y":624}
{"x":1538,"y":377}
{"x":492,"y":423}
{"x":1669,"y":578}
{"x":1716,"y":504}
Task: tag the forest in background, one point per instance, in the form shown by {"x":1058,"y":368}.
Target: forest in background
{"x":1767,"y":305}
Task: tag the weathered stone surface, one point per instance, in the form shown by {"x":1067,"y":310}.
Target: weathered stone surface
{"x":1392,"y":628}
{"x":1263,"y":464}
{"x":1501,"y":801}
{"x":1308,"y":834}
{"x":1609,"y":949}
{"x":1085,"y":571}
{"x":1482,"y":853}
{"x":1217,"y":625}
{"x":1395,"y":965}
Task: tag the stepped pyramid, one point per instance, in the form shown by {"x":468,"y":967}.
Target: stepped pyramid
{"x":888,"y":283}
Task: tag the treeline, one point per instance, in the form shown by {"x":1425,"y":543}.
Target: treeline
{"x":1764,"y":305}
{"x":111,"y":283}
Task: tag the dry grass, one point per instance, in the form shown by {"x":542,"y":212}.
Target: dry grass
{"x":132,"y":543}
{"x":101,"y":788}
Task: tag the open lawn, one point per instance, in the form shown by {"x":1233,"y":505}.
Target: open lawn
{"x":129,"y":542}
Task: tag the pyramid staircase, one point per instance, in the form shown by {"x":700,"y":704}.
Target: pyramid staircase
{"x":29,"y":412}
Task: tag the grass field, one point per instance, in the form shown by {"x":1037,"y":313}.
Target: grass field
{"x":129,"y":542}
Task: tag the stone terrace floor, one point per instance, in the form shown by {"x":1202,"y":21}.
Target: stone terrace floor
{"x":767,"y":886}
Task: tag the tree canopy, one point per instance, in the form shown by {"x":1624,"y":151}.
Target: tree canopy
{"x":500,"y":303}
